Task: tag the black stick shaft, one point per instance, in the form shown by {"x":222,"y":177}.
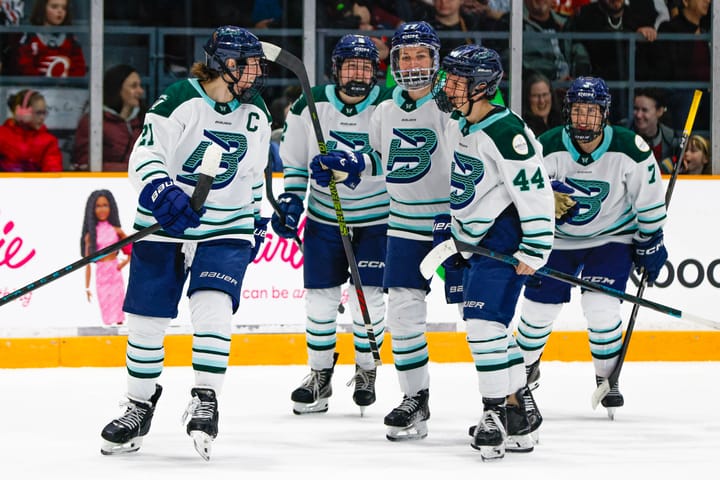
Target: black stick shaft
{"x":294,"y":64}
{"x":615,"y":374}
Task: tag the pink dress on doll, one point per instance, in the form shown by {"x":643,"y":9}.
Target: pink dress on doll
{"x":109,"y":283}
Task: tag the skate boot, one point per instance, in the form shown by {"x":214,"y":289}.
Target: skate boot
{"x":312,"y":396}
{"x":612,"y":400}
{"x":532,"y":372}
{"x":409,"y":420}
{"x":202,"y":418}
{"x":125,"y":434}
{"x":533,"y":412}
{"x":364,"y":393}
{"x":490,"y":433}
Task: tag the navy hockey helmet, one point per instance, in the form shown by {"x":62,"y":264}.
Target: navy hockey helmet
{"x":414,"y":34}
{"x":352,"y":47}
{"x":230,"y":45}
{"x":479,"y":65}
{"x":587,"y":90}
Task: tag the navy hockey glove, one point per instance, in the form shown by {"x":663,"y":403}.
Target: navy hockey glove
{"x":651,"y":255}
{"x":170,"y":206}
{"x":453,"y":265}
{"x":259,"y":233}
{"x":565,"y":206}
{"x":345,"y":168}
{"x":291,"y":208}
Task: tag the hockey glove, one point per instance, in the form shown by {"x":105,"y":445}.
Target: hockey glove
{"x":651,"y":255}
{"x":565,"y":206}
{"x":345,"y":168}
{"x":170,"y":206}
{"x":291,"y":208}
{"x":259,"y":234}
{"x":453,"y":265}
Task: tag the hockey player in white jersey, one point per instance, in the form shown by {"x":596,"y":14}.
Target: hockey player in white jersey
{"x":212,"y":247}
{"x":344,"y":108}
{"x":611,"y":175}
{"x":408,"y":130}
{"x":500,"y":198}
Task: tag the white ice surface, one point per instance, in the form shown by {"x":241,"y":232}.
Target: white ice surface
{"x":669,"y":428}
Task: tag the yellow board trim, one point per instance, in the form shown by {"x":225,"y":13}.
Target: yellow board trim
{"x":289,"y":349}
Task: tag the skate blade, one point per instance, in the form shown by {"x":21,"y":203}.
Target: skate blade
{"x":417,"y":431}
{"x":111,"y":448}
{"x":321,"y":406}
{"x":519,"y":443}
{"x":611,"y":412}
{"x":490,"y":453}
{"x":203,"y":443}
{"x":535,"y":434}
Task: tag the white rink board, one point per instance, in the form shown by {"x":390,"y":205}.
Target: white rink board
{"x":43,"y":217}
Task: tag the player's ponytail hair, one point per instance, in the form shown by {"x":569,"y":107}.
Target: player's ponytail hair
{"x":202,"y":72}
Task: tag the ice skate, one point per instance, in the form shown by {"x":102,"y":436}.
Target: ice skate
{"x":612,"y":400}
{"x":519,"y":437}
{"x":125,"y":434}
{"x":312,"y":396}
{"x":523,"y":421}
{"x":490,"y":433}
{"x":409,"y":420}
{"x":364,"y":393}
{"x":532,"y":372}
{"x":202,"y":418}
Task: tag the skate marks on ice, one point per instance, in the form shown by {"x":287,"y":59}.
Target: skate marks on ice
{"x":668,"y":425}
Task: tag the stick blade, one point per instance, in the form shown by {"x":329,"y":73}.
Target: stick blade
{"x":270,"y":50}
{"x":600,"y":392}
{"x":701,"y":321}
{"x":436,"y":257}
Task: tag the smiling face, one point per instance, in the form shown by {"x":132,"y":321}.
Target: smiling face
{"x":540,"y":99}
{"x":131,"y":91}
{"x":244,"y":74}
{"x":646,"y":115}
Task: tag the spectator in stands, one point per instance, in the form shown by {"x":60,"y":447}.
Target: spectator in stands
{"x":556,"y":59}
{"x":50,"y":54}
{"x":696,"y":160}
{"x":448,"y":16}
{"x":649,"y":106}
{"x":609,"y":59}
{"x":356,"y":15}
{"x":25,"y":143}
{"x":123,"y":114}
{"x":541,"y":109}
{"x":683,"y":60}
{"x":11,"y":11}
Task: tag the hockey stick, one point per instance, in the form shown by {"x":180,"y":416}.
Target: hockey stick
{"x":207,"y":170}
{"x":604,"y":388}
{"x":286,"y":59}
{"x":450,"y":247}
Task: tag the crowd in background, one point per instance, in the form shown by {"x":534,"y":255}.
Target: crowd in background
{"x":548,"y":62}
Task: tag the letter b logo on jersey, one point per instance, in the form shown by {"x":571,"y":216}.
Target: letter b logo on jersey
{"x":410,"y":152}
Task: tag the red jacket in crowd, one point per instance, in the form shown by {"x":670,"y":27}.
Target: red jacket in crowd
{"x":119,"y":138}
{"x":28,"y":150}
{"x":50,"y":55}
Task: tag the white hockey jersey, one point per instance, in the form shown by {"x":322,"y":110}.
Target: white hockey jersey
{"x":498,"y":162}
{"x":410,"y":135}
{"x":618,"y":188}
{"x":172,"y":145}
{"x":344,"y":127}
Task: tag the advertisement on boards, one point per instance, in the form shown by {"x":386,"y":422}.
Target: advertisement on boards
{"x":41,"y":231}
